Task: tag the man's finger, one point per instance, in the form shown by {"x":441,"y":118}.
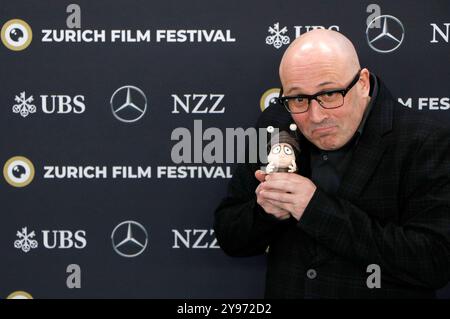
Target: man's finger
{"x":279,"y":206}
{"x":260,"y":175}
{"x":284,"y":176}
{"x":276,"y":196}
{"x":268,"y":207}
{"x":258,"y":189}
{"x":274,"y":210}
{"x":284,"y":186}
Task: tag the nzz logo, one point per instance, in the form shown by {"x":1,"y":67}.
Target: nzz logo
{"x":51,"y":239}
{"x":50,"y":104}
{"x":198,"y":103}
{"x":195,"y":238}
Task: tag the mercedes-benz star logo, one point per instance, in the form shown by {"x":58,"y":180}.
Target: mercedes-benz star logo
{"x":129,"y":239}
{"x":391,"y":36}
{"x":128,"y":104}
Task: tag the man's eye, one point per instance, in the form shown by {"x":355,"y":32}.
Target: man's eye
{"x":330,"y":95}
{"x":276,"y":149}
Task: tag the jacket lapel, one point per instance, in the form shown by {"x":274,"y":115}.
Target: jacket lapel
{"x":370,"y":147}
{"x":365,"y":158}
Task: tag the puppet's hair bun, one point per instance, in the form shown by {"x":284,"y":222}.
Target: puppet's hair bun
{"x":293,"y":127}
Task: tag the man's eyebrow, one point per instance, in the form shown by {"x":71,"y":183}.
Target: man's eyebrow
{"x":326,"y":83}
{"x":296,"y":88}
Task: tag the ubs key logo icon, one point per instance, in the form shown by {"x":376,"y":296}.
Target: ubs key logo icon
{"x":18,"y":171}
{"x":16,"y":35}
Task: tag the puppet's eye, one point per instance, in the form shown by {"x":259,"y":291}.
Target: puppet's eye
{"x":276,"y":149}
{"x":287,"y":150}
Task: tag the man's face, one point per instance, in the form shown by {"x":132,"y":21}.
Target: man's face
{"x":328,"y":129}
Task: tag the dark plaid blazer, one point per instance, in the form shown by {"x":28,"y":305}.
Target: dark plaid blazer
{"x":392,"y":209}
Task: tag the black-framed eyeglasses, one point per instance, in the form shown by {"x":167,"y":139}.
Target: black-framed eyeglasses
{"x":331,"y":99}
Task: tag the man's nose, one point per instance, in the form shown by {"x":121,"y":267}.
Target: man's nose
{"x":316,"y":112}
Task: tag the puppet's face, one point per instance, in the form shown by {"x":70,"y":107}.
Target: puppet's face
{"x":281,"y":155}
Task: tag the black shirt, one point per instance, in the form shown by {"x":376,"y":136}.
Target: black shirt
{"x":328,"y":167}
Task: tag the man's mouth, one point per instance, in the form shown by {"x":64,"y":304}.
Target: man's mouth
{"x":324,"y":130}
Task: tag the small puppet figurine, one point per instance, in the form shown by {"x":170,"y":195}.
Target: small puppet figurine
{"x":283,"y":148}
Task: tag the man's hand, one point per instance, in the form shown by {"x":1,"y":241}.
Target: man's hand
{"x":268,"y":206}
{"x":281,"y":193}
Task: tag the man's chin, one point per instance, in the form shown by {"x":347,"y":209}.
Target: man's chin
{"x":327,"y":144}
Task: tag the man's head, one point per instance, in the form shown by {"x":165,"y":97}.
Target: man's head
{"x":323,"y":60}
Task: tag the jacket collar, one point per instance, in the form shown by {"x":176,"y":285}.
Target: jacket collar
{"x":370,"y":147}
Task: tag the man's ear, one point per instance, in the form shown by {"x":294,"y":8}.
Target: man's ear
{"x":364,"y":82}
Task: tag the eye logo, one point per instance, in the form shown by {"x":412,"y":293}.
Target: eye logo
{"x":19,"y":295}
{"x":269,"y":98}
{"x":18,"y":171}
{"x":16,"y":35}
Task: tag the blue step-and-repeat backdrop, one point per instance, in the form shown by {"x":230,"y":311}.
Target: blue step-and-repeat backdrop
{"x":108,"y":186}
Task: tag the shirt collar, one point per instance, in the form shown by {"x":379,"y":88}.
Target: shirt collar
{"x":373,"y":95}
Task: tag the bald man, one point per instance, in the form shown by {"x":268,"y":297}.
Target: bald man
{"x":368,"y":214}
